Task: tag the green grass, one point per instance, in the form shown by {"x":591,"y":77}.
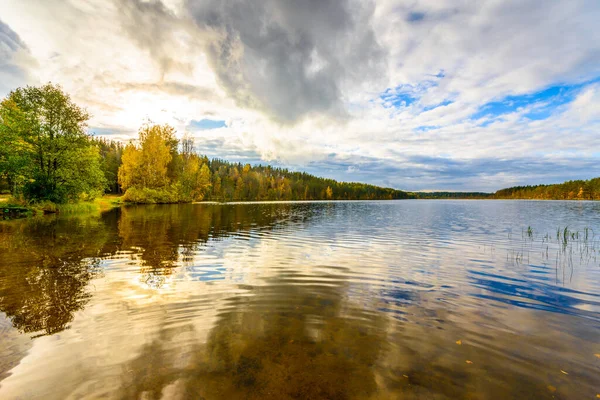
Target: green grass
{"x":14,"y":208}
{"x":11,"y":208}
{"x":87,"y":207}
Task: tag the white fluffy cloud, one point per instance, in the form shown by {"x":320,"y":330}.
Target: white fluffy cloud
{"x":388,"y":92}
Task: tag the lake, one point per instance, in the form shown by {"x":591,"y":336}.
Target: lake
{"x":337,"y":300}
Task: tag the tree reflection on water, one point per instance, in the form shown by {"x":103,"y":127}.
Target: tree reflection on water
{"x":47,"y":265}
{"x":48,"y":262}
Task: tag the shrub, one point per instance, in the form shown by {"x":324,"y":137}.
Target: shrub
{"x":151,"y":196}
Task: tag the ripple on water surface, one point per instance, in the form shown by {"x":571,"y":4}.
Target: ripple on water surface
{"x":348,"y":300}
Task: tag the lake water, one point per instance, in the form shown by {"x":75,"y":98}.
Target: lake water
{"x":336,"y":300}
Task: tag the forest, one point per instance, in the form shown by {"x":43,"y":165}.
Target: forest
{"x":158,"y":168}
{"x":47,"y":155}
{"x":452,"y":195}
{"x":570,"y":190}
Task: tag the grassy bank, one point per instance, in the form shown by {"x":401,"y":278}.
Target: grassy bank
{"x":12,"y":208}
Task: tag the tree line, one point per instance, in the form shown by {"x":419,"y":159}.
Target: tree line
{"x":46,"y":154}
{"x":452,"y":195}
{"x":570,"y":190}
{"x":158,"y":168}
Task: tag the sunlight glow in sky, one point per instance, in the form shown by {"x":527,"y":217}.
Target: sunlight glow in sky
{"x":416,"y":95}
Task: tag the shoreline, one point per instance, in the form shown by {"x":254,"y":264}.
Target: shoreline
{"x":12,"y":211}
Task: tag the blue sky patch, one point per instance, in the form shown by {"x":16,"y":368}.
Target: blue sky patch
{"x":98,"y":131}
{"x":206,"y":124}
{"x":415,"y":16}
{"x":395,"y":98}
{"x":442,"y":104}
{"x":542,"y":104}
{"x":406,"y":94}
{"x":426,"y":128}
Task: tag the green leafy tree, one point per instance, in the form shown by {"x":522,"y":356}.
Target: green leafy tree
{"x":57,"y":160}
{"x":14,"y":154}
{"x":111,"y":152}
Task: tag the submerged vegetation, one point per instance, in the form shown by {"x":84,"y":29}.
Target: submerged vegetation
{"x":558,"y":249}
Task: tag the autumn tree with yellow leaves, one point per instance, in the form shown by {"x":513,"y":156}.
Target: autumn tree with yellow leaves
{"x":154,"y":171}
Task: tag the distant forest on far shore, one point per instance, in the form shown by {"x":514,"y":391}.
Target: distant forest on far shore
{"x":570,"y":190}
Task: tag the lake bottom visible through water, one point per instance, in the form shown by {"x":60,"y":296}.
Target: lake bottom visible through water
{"x":308,"y":300}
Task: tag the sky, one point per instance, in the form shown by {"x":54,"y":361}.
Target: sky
{"x":454,"y":95}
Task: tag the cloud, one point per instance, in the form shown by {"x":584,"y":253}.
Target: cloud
{"x":538,"y":105}
{"x":14,"y":59}
{"x":157,"y":29}
{"x":113,"y":133}
{"x":416,"y":172}
{"x":417,"y":95}
{"x":586,"y":107}
{"x":233,"y":150}
{"x":415,"y":16}
{"x":492,"y":49}
{"x":173,"y":88}
{"x":11,"y":42}
{"x":290,"y":58}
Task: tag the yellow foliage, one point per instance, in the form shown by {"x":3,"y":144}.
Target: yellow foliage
{"x":329,"y":193}
{"x":156,"y":154}
{"x":146,"y":165}
{"x":131,"y":164}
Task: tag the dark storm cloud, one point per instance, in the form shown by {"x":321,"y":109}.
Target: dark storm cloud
{"x":289,"y":58}
{"x":286,"y":58}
